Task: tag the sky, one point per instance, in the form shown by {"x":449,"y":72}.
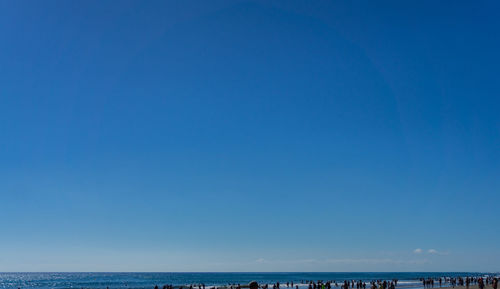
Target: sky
{"x":249,"y":135}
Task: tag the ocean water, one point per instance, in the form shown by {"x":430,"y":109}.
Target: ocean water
{"x":149,"y":280}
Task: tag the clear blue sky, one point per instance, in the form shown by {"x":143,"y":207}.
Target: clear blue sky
{"x":249,"y":136}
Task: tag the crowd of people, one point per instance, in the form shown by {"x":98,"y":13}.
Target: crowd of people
{"x":482,"y":282}
{"x":461,"y":281}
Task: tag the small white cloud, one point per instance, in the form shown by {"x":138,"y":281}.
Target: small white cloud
{"x":436,"y":252}
{"x":260,"y":260}
{"x":417,"y":251}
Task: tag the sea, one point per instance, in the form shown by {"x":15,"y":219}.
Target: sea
{"x":149,"y":280}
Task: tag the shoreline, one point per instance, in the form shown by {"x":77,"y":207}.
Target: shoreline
{"x":230,"y":280}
